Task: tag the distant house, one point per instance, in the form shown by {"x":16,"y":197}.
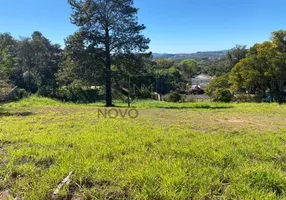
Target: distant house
{"x":202,"y":80}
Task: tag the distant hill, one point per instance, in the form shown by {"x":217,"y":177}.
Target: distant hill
{"x":196,"y":56}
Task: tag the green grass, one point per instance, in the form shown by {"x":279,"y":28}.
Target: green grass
{"x":171,"y":151}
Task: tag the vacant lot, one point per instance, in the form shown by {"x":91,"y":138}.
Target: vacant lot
{"x":170,"y":151}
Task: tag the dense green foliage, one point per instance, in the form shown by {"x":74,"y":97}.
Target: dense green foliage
{"x":222,"y":65}
{"x":222,"y":95}
{"x":189,"y":68}
{"x":221,"y":82}
{"x":29,"y":63}
{"x":174,"y":97}
{"x":214,"y":67}
{"x":263,"y":69}
{"x":174,"y":76}
{"x":258,"y":72}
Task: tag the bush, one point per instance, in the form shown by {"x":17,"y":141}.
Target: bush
{"x":64,"y":94}
{"x":222,"y":95}
{"x":217,"y":83}
{"x":22,"y":93}
{"x":175,"y":97}
{"x":145,"y":94}
{"x":248,"y":98}
{"x":78,"y":95}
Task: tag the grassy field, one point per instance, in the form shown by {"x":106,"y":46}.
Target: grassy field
{"x":170,"y":151}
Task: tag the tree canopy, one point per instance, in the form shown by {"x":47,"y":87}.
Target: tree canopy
{"x":264,"y":68}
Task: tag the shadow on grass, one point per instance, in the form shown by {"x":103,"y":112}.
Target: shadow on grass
{"x":174,"y":107}
{"x":17,"y":114}
{"x":196,"y":107}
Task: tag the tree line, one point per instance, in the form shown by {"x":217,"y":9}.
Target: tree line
{"x":108,"y":46}
{"x":260,"y":71}
{"x":39,"y":66}
{"x":29,"y":63}
{"x":109,"y":49}
{"x":104,"y":53}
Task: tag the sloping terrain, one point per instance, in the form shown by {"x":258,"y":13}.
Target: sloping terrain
{"x":170,"y":151}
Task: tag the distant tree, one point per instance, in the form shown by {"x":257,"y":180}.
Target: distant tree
{"x":217,"y":83}
{"x":189,"y":68}
{"x":236,"y":54}
{"x":164,"y":72}
{"x":69,"y":74}
{"x":222,"y":95}
{"x":279,"y":40}
{"x":176,"y":73}
{"x":23,"y":73}
{"x":37,"y":63}
{"x":249,"y":75}
{"x":214,"y":67}
{"x":264,"y":68}
{"x":8,"y":59}
{"x":254,"y":73}
{"x":109,"y":28}
{"x":46,"y":57}
{"x":267,"y":54}
{"x":164,"y":63}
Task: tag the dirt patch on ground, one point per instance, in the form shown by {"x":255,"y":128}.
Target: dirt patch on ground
{"x":5,"y":195}
{"x":242,"y":123}
{"x":212,"y":120}
{"x":235,"y":121}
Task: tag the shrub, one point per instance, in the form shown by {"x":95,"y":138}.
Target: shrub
{"x":22,"y":93}
{"x":175,"y":97}
{"x":78,"y":95}
{"x":145,"y":94}
{"x":222,"y":95}
{"x":64,"y":94}
{"x":248,"y":98}
{"x":217,"y":83}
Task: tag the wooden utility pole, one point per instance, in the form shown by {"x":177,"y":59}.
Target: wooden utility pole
{"x":129,"y":90}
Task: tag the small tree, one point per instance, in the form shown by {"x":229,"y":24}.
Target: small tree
{"x":217,"y":83}
{"x":222,"y":95}
{"x":189,"y":68}
{"x":236,"y":54}
{"x":174,"y":97}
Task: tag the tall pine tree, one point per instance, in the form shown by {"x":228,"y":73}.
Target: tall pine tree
{"x":111,"y":26}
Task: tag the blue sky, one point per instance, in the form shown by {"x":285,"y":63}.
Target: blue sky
{"x":182,"y":26}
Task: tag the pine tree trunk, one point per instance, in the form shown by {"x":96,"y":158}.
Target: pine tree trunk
{"x":108,"y":74}
{"x":108,"y":81}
